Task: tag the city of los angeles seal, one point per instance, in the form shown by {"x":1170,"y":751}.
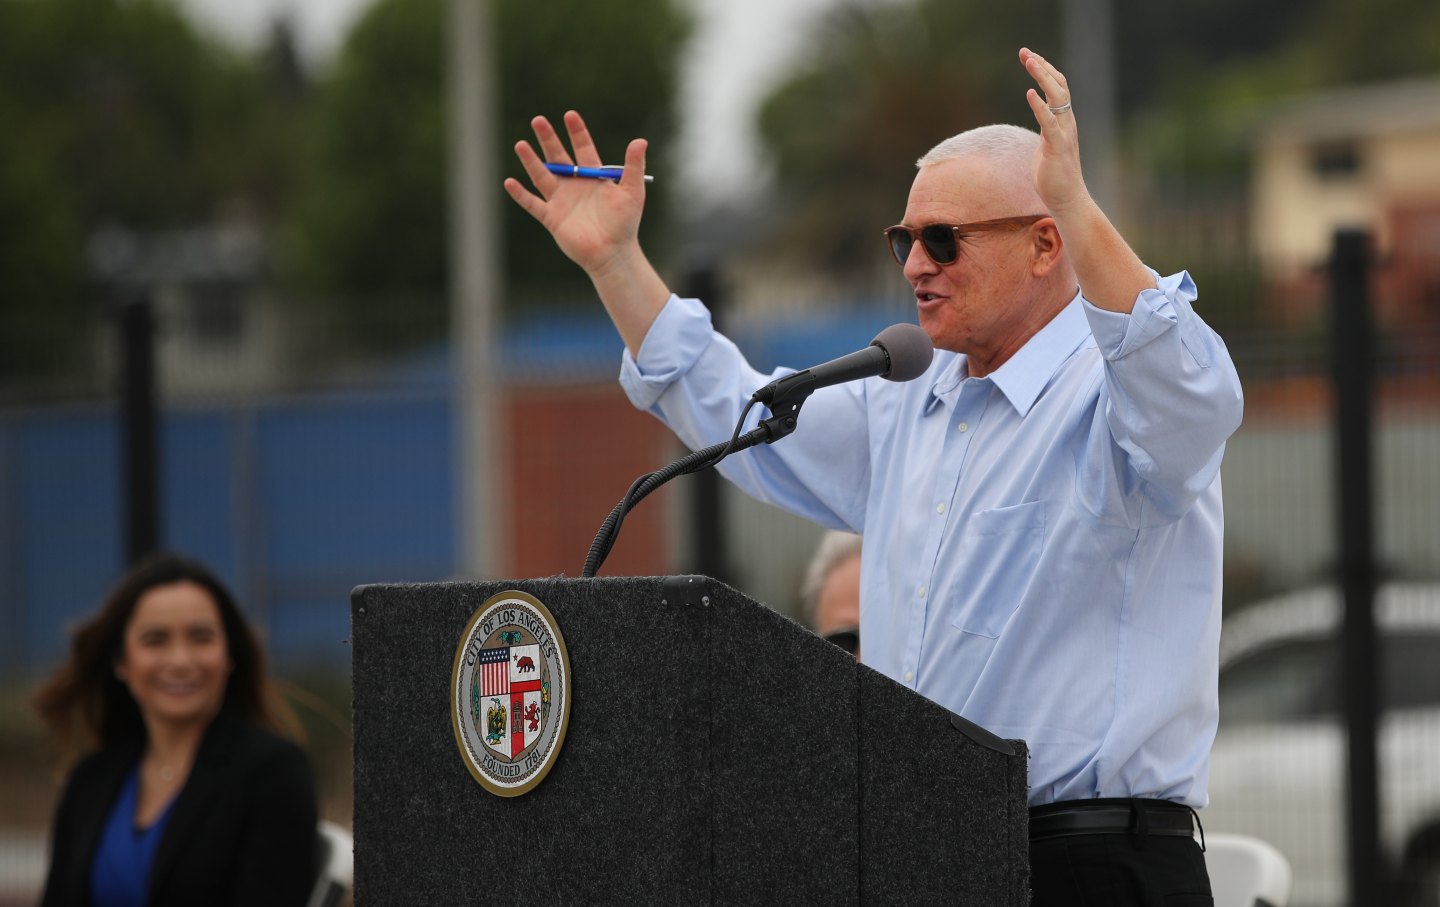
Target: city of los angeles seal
{"x":510,"y":693}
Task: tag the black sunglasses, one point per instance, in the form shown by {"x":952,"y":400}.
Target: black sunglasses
{"x":942,"y":241}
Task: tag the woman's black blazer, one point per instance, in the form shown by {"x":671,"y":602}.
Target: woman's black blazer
{"x":242,"y":830}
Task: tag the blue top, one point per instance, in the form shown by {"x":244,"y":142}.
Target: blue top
{"x":120,"y":875}
{"x":1049,"y":536}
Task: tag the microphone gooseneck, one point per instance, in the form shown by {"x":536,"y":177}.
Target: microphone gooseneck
{"x":901,"y":352}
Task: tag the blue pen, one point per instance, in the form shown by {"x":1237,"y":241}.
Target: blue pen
{"x":608,"y":172}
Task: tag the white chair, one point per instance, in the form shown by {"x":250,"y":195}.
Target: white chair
{"x":1246,"y":871}
{"x":337,"y":866}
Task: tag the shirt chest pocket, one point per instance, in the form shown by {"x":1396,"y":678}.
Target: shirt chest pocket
{"x":999,"y":551}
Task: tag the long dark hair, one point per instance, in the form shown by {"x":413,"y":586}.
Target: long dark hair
{"x":85,"y":705}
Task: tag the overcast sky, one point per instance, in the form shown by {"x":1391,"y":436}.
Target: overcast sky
{"x":739,"y":48}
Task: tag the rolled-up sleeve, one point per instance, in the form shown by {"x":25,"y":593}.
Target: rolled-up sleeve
{"x":697,"y":382}
{"x":1173,"y":396}
{"x":679,"y":335}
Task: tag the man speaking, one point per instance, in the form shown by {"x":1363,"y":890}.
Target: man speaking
{"x":1042,"y":507}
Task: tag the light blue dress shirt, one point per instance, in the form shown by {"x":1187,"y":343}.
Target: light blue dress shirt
{"x":1043,"y":545}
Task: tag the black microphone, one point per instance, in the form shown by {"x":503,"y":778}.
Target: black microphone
{"x":901,"y":352}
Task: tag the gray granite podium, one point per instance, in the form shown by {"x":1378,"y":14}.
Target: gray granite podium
{"x":716,"y":753}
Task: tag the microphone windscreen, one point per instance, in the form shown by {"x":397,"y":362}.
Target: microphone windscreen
{"x":909,"y":348}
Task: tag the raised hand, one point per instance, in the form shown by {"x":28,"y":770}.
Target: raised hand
{"x":594,"y":222}
{"x":1107,"y":269}
{"x":1057,"y":163}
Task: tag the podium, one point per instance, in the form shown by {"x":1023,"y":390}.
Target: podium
{"x":716,"y":753}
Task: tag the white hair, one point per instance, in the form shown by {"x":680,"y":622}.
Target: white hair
{"x":998,"y":141}
{"x":1009,"y":153}
{"x":835,"y":548}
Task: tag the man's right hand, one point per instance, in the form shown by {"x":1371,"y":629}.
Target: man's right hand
{"x":596,"y":223}
{"x":590,"y":219}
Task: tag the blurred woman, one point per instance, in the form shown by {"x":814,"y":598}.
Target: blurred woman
{"x":189,"y":794}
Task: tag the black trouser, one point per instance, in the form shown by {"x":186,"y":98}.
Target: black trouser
{"x":1116,"y":853}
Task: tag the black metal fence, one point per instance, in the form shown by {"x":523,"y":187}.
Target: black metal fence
{"x":1330,"y":668}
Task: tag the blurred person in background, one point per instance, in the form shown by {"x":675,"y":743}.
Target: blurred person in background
{"x":830,"y":592}
{"x":1042,"y":509}
{"x":192,"y":791}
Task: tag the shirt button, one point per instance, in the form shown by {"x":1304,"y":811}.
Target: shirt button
{"x":922,"y":592}
{"x":940,"y":508}
{"x":909,"y":675}
{"x":963,"y":427}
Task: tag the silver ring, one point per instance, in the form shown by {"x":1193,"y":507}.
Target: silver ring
{"x":1059,"y":110}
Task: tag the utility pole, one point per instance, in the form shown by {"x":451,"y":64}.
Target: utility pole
{"x":474,"y":288}
{"x":1087,"y":49}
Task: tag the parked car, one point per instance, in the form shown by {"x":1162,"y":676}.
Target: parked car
{"x":1278,"y":768}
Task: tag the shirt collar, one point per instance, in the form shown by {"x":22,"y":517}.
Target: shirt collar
{"x":1025,"y":374}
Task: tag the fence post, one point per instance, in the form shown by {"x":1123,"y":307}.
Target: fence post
{"x":708,"y":555}
{"x":140,"y":472}
{"x":1352,"y":358}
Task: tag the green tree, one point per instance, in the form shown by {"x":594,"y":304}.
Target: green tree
{"x":115,"y":113}
{"x":1195,"y":130}
{"x":369,"y":237}
{"x":1374,"y":41}
{"x":885,"y":81}
{"x":1168,"y":51}
{"x":886,"y":84}
{"x":366,"y":238}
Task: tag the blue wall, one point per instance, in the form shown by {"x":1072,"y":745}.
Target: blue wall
{"x":293,"y":500}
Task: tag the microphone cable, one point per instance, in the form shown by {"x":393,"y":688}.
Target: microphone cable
{"x":639,"y":489}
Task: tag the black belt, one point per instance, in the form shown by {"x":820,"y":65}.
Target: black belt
{"x":1117,"y":816}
